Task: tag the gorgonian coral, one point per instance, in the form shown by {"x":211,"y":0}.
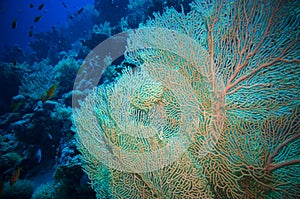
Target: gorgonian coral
{"x":211,"y":111}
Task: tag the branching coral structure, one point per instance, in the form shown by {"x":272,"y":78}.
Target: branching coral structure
{"x":212,"y":110}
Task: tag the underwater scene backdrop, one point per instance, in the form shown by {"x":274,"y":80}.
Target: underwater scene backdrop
{"x":150,"y":99}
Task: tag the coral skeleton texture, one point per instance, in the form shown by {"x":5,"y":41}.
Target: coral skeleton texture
{"x":212,"y":110}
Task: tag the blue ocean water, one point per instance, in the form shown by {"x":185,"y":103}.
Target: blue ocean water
{"x":53,"y":13}
{"x":220,"y":77}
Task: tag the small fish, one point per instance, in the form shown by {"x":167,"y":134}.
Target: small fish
{"x":50,"y":93}
{"x":64,"y":4}
{"x":15,"y":106}
{"x":36,"y":19}
{"x":30,"y":33}
{"x":15,"y":176}
{"x":14,"y":24}
{"x":80,"y":11}
{"x":41,"y":6}
{"x":15,"y":62}
{"x":50,"y":136}
{"x":31,"y":5}
{"x":38,"y":155}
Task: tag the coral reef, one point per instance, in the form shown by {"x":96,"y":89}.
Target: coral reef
{"x":203,"y":104}
{"x":45,"y":191}
{"x":22,"y":189}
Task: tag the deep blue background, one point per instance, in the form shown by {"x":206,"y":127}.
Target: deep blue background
{"x":53,"y":13}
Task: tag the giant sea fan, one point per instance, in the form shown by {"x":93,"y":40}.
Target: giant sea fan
{"x":211,"y":111}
